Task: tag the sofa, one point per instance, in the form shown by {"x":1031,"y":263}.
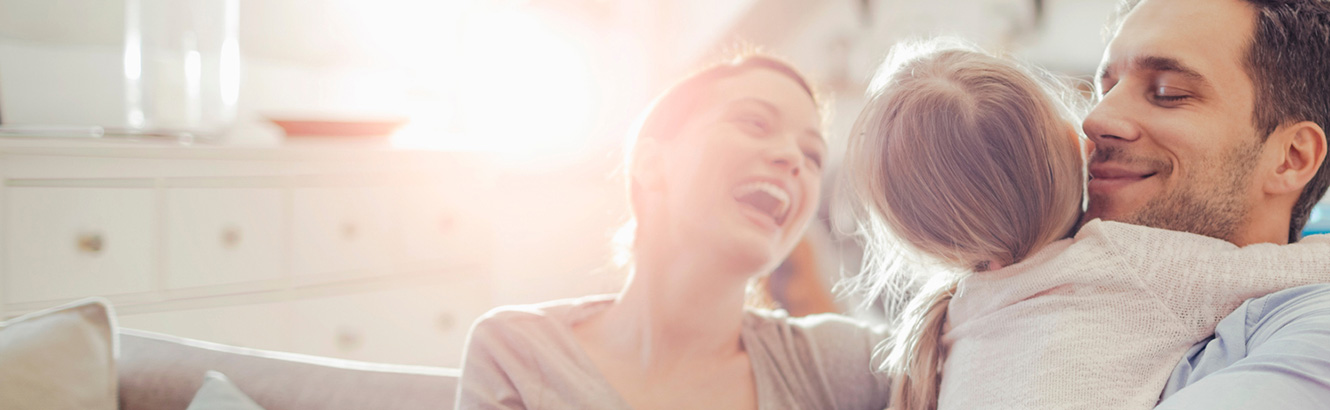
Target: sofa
{"x":161,"y":372}
{"x":75,"y":357}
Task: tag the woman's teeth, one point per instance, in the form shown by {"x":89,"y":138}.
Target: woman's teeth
{"x":765,"y":197}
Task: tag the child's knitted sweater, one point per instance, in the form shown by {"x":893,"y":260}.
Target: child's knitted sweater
{"x":1100,"y":320}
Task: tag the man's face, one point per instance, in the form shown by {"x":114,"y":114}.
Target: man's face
{"x":1175,"y":145}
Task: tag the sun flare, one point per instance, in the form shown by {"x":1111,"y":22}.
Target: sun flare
{"x":512,"y":83}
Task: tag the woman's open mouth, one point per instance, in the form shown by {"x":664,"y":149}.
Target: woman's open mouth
{"x":765,"y":198}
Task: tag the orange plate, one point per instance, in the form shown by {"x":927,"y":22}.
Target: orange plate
{"x":339,"y":128}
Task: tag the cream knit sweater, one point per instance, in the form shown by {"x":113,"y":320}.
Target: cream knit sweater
{"x":1099,"y":321}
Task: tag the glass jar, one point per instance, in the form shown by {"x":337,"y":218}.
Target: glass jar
{"x":181,"y":67}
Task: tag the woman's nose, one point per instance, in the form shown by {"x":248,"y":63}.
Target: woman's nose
{"x":787,"y":157}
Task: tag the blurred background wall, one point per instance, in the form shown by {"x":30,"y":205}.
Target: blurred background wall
{"x":546,"y":87}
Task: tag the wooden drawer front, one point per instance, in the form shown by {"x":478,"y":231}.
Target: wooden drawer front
{"x":443,"y":226}
{"x":74,"y":242}
{"x":423,"y":325}
{"x":259,"y":326}
{"x":341,"y":231}
{"x":221,"y":236}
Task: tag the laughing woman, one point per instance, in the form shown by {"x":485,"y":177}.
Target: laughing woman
{"x":724,"y":176}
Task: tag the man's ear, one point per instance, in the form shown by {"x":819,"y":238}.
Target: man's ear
{"x":647,"y":170}
{"x":1302,"y":154}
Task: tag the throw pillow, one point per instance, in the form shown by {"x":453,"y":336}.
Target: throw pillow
{"x":59,"y":359}
{"x":218,"y":393}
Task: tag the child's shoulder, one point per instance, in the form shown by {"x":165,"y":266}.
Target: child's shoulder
{"x":1125,"y":234}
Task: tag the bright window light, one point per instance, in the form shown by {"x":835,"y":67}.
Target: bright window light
{"x":509,"y":83}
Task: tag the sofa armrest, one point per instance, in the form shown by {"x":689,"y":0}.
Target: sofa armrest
{"x":161,"y":372}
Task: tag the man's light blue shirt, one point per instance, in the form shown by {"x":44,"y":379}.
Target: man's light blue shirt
{"x":1273,"y":352}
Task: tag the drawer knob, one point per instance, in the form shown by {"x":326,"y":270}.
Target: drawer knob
{"x":349,"y":231}
{"x":348,"y":340}
{"x":445,"y":321}
{"x":91,"y":243}
{"x":230,"y":237}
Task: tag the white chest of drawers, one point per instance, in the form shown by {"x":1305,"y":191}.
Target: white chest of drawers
{"x":365,"y":253}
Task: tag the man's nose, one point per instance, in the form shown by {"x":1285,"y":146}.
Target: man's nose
{"x":1112,"y":119}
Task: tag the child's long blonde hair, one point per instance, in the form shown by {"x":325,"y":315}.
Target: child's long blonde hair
{"x":960,"y":159}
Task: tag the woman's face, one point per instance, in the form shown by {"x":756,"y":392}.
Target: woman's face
{"x":743,"y":176}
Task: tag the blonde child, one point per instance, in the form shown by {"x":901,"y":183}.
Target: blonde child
{"x":968,"y":167}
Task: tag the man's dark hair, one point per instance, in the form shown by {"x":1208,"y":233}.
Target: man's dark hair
{"x":1288,"y":62}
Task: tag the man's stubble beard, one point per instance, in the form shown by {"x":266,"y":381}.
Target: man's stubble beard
{"x":1189,"y":208}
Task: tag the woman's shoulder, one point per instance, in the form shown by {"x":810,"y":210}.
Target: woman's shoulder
{"x":539,"y":317}
{"x":826,"y":335}
{"x":828,"y":360}
{"x":820,"y":325}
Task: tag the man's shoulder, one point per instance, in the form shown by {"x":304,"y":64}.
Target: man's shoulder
{"x":1273,"y":350}
{"x":1299,"y":305}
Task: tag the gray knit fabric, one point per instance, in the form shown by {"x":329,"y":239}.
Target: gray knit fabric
{"x":159,"y":372}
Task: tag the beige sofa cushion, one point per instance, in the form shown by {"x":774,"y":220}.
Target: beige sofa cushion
{"x":58,"y":359}
{"x":161,"y":372}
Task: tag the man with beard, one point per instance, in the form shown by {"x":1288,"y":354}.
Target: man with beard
{"x":1212,"y":120}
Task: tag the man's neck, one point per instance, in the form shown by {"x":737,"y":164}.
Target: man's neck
{"x":1265,"y":224}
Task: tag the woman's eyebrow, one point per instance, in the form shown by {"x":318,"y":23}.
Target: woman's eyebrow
{"x":759,"y":102}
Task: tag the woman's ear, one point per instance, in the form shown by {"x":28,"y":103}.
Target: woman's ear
{"x":1302,"y":149}
{"x":647,"y":170}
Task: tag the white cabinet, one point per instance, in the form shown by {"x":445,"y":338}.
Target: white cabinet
{"x":343,"y":232}
{"x":70,"y":242}
{"x":420,"y":324}
{"x":443,"y":224}
{"x":223,"y":236}
{"x":363,"y":253}
{"x":253,"y":325}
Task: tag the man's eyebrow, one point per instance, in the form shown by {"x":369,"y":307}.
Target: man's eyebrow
{"x":1168,"y":64}
{"x":1156,"y":64}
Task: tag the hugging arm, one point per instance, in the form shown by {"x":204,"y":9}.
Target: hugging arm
{"x":1273,"y":352}
{"x":1203,"y":279}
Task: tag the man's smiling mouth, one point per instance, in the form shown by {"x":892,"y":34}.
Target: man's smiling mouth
{"x":1106,"y":177}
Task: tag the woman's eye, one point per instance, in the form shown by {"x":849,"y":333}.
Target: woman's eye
{"x":816,"y":158}
{"x":754,"y":124}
